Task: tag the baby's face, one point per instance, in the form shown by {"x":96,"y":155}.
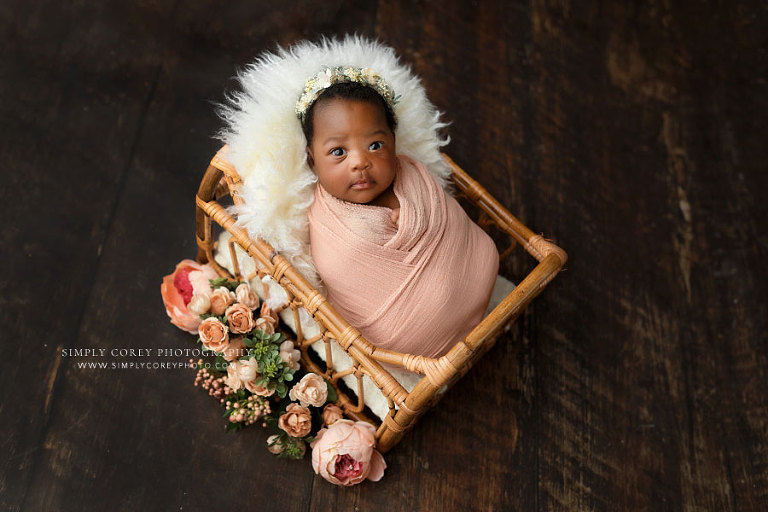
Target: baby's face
{"x":352,"y":151}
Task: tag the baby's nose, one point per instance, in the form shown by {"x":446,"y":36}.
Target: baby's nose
{"x":360,"y":161}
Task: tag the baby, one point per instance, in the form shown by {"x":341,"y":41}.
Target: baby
{"x":400,"y":259}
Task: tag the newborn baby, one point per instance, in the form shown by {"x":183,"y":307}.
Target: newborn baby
{"x":400,"y":259}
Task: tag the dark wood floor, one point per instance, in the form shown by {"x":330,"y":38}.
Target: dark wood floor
{"x":633,"y":135}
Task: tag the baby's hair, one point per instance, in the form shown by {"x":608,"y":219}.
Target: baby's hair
{"x":347,"y":91}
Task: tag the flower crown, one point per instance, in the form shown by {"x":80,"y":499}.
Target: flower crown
{"x":329,"y":76}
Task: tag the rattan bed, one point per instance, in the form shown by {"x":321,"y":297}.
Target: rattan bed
{"x":221,"y":180}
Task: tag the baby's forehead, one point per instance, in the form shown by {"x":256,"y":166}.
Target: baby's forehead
{"x":346,"y":104}
{"x":351,"y":113}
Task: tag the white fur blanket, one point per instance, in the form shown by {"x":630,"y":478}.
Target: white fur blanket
{"x":268,"y":149}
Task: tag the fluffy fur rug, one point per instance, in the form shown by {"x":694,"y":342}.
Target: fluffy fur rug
{"x":267,"y":146}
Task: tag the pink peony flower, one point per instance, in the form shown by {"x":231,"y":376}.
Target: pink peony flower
{"x":345,"y":454}
{"x":189,"y":278}
{"x":200,"y":279}
{"x":200,"y":304}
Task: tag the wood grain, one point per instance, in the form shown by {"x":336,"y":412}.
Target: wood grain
{"x":634,"y":135}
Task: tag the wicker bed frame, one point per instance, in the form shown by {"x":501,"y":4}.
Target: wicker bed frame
{"x":221,"y":179}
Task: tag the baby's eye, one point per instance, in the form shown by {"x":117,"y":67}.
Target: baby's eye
{"x":375,"y":145}
{"x":338,"y":151}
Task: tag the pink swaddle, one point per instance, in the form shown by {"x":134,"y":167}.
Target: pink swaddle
{"x":418,"y":287}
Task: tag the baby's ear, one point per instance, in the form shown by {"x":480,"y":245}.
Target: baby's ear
{"x":310,"y":158}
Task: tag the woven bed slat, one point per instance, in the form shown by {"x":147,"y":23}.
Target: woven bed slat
{"x":438,"y":373}
{"x":514,"y":303}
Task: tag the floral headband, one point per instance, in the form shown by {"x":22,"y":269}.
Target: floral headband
{"x":327,"y":77}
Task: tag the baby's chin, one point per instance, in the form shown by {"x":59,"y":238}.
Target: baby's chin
{"x":361,"y":200}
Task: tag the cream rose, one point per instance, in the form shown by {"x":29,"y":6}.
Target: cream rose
{"x":297,"y":421}
{"x":273,"y":445}
{"x":245,"y":296}
{"x":290,"y":355}
{"x":331,"y":414}
{"x":310,"y":390}
{"x":233,"y":376}
{"x":248,"y":370}
{"x":240,"y":318}
{"x":241,"y":374}
{"x":213,"y":334}
{"x":221,"y":298}
{"x":200,"y":304}
{"x":345,"y":454}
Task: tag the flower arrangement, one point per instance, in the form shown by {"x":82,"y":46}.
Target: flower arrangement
{"x":255,"y":376}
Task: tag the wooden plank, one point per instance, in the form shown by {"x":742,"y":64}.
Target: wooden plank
{"x":130,"y":439}
{"x":638,"y":399}
{"x":71,"y":115}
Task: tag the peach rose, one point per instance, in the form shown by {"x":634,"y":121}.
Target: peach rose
{"x":214,"y":334}
{"x":178,"y":288}
{"x":267,"y":312}
{"x":297,"y":421}
{"x":221,"y":298}
{"x":310,"y":390}
{"x":265,"y":324}
{"x":200,"y":304}
{"x":245,"y":296}
{"x":345,"y":454}
{"x":235,"y":349}
{"x":290,"y":355}
{"x":240,"y":318}
{"x":259,"y":390}
{"x":267,"y":320}
{"x":331,"y":414}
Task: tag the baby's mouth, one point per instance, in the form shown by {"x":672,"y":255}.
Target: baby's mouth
{"x":362,"y":184}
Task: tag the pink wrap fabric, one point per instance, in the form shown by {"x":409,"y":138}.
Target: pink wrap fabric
{"x":417,"y":287}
